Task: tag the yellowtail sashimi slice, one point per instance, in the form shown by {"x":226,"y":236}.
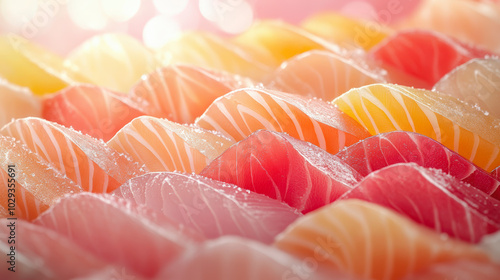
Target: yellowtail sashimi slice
{"x":371,"y":242}
{"x":460,"y":127}
{"x":35,"y":183}
{"x":162,"y":145}
{"x":476,"y":82}
{"x":17,"y":102}
{"x":87,"y":161}
{"x":181,"y":93}
{"x":209,"y":207}
{"x":114,"y":61}
{"x":242,"y":112}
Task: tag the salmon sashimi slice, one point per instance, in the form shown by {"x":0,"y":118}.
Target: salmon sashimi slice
{"x":345,"y":31}
{"x":476,"y":22}
{"x":476,"y":82}
{"x":390,"y":148}
{"x":425,"y":54}
{"x":431,"y":198}
{"x":458,"y":270}
{"x":181,"y":93}
{"x":229,"y":258}
{"x":119,"y":234}
{"x":280,"y":40}
{"x":281,"y":167}
{"x":162,"y":145}
{"x":113,"y":61}
{"x":43,"y":254}
{"x":87,"y":161}
{"x":323,"y":75}
{"x":17,"y":102}
{"x":242,"y":112}
{"x":212,"y":52}
{"x":92,"y":110}
{"x":209,"y":207}
{"x":35,"y":183}
{"x":460,"y":127}
{"x":371,"y":242}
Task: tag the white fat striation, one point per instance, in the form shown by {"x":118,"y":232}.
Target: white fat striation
{"x":210,"y":207}
{"x":103,"y":224}
{"x":377,"y":237}
{"x":460,"y":269}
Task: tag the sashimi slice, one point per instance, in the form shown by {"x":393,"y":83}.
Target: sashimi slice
{"x":476,"y":82}
{"x":424,"y":54}
{"x":476,"y":21}
{"x":458,"y":270}
{"x":90,"y":109}
{"x":496,"y":173}
{"x":280,"y":40}
{"x":162,"y":145}
{"x":116,"y":232}
{"x":389,"y":148}
{"x":17,"y":102}
{"x":29,"y":65}
{"x":229,"y":258}
{"x":90,"y":163}
{"x":371,"y":242}
{"x":40,"y":253}
{"x":211,"y":208}
{"x":431,"y":198}
{"x":114,"y":61}
{"x":460,"y":127}
{"x":345,"y":31}
{"x":181,"y":93}
{"x":296,"y":172}
{"x":322,"y":74}
{"x":242,"y":112}
{"x":35,"y":184}
{"x":212,"y":52}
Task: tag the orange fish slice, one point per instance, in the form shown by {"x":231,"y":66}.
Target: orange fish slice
{"x":37,"y":184}
{"x":460,"y":127}
{"x":162,"y":145}
{"x":345,"y":31}
{"x":212,"y":52}
{"x":92,"y":110}
{"x":182,"y":93}
{"x":371,"y":242}
{"x":477,"y":22}
{"x":17,"y":102}
{"x":29,"y":65}
{"x":87,"y":161}
{"x":280,"y":40}
{"x":114,"y":61}
{"x":242,"y":112}
{"x":322,"y":74}
{"x":476,"y":82}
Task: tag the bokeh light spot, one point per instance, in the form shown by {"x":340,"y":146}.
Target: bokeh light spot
{"x":234,"y":17}
{"x":160,"y":30}
{"x":87,"y":14}
{"x":170,"y":7}
{"x":120,"y":10}
{"x":17,"y":13}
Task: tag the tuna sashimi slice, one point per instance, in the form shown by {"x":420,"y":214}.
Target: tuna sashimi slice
{"x":431,"y":198}
{"x":296,"y":172}
{"x":95,"y":111}
{"x":211,"y":208}
{"x":389,"y":148}
{"x":87,"y":161}
{"x":162,"y":145}
{"x":32,"y":182}
{"x":371,"y":241}
{"x":40,"y":253}
{"x":242,"y":112}
{"x":117,"y":232}
{"x":229,"y":258}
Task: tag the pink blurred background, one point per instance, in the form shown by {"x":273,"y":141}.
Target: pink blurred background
{"x":61,"y":25}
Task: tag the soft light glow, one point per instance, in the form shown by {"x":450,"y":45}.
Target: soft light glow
{"x":87,"y":14}
{"x":207,"y":9}
{"x":359,"y":9}
{"x":170,"y":7}
{"x":120,"y":10}
{"x":17,"y":13}
{"x":235,"y":18}
{"x":160,"y":30}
